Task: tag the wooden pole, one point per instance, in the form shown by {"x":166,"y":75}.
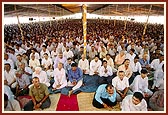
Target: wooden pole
{"x":19,"y":23}
{"x":49,"y":14}
{"x":144,"y":31}
{"x":39,"y":17}
{"x":125,"y":26}
{"x":84,"y":26}
{"x":115,"y":16}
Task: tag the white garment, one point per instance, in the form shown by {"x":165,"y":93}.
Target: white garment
{"x":127,"y":104}
{"x":59,"y":78}
{"x":8,"y":92}
{"x":78,"y":85}
{"x":140,"y":85}
{"x":12,"y":57}
{"x":42,"y":77}
{"x":136,"y":67}
{"x":102,"y":71}
{"x":95,"y":66}
{"x":42,"y":53}
{"x":37,"y":56}
{"x":47,"y":62}
{"x":156,"y":64}
{"x":84,"y":65}
{"x":34,"y":63}
{"x":10,"y":62}
{"x":120,"y":84}
{"x":10,"y":77}
{"x":130,"y":57}
{"x":128,"y":72}
{"x":54,"y":55}
{"x":20,"y":51}
{"x":110,"y":62}
{"x":68,"y":54}
{"x":158,"y":80}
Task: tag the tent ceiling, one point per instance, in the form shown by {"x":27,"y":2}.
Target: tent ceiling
{"x":66,"y":9}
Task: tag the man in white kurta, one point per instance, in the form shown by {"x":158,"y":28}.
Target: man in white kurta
{"x":33,"y":63}
{"x":68,"y":53}
{"x":60,"y":80}
{"x":43,"y":51}
{"x":105,"y":73}
{"x":46,"y":62}
{"x":121,"y":85}
{"x":95,"y":65}
{"x":158,"y":81}
{"x":42,"y":75}
{"x":131,"y":55}
{"x":157,"y":63}
{"x":84,"y":65}
{"x":140,"y":84}
{"x":126,"y":68}
{"x":134,"y":102}
{"x":9,"y":76}
{"x":110,"y":62}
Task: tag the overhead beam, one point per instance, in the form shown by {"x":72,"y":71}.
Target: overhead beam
{"x":59,"y":5}
{"x":100,"y":8}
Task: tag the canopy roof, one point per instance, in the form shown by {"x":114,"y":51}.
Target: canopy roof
{"x":67,"y":9}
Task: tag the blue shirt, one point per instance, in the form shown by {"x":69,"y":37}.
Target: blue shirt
{"x":75,"y":75}
{"x":102,"y":93}
{"x":143,"y":63}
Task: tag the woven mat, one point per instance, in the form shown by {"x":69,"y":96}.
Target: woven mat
{"x":54,"y":101}
{"x":85,"y":103}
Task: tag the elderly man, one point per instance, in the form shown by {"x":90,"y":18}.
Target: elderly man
{"x":42,"y":75}
{"x":84,"y":64}
{"x":105,"y":97}
{"x":60,"y":80}
{"x":58,"y":59}
{"x":40,"y":96}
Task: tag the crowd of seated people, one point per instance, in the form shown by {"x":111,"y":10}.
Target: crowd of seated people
{"x":123,"y":58}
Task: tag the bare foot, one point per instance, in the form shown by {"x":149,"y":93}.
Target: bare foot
{"x":70,"y":92}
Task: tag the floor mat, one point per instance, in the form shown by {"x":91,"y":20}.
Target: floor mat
{"x":85,"y":103}
{"x":54,"y":101}
{"x":67,"y":103}
{"x":23,"y":100}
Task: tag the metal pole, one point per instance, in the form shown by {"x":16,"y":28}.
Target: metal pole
{"x":84,"y":26}
{"x":19,"y":23}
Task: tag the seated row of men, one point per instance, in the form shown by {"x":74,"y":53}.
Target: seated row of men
{"x":75,"y":78}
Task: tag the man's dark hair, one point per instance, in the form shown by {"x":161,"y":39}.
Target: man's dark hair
{"x":144,"y":71}
{"x":104,"y":61}
{"x":138,"y":95}
{"x":74,"y":65}
{"x":136,"y":57}
{"x":109,"y":85}
{"x":69,"y":58}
